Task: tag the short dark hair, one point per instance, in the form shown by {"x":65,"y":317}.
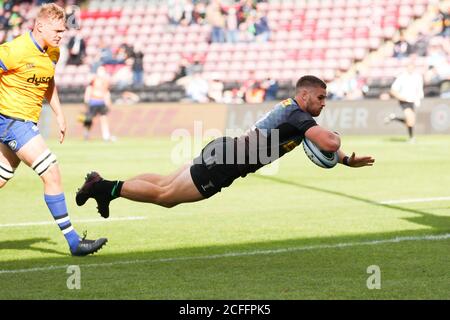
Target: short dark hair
{"x":310,"y":81}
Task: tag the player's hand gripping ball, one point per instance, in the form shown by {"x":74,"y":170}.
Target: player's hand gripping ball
{"x":321,"y":158}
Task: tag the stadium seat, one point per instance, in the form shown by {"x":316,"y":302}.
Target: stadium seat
{"x":314,"y":36}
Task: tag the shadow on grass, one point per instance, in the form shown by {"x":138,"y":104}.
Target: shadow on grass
{"x":425,"y":218}
{"x":307,"y":268}
{"x":436,"y":224}
{"x":219,"y":270}
{"x":30,"y":244}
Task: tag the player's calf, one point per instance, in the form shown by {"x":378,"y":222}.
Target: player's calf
{"x":52,"y":180}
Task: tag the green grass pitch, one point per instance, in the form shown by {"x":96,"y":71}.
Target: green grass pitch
{"x":304,"y":233}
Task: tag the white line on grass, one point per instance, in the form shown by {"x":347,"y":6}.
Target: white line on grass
{"x":43,"y":223}
{"x":240,"y":254}
{"x":415,"y":200}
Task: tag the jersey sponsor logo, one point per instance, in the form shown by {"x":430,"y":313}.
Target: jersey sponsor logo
{"x":286,"y":103}
{"x":12,"y":144}
{"x":37,"y":81}
{"x":290,"y":145}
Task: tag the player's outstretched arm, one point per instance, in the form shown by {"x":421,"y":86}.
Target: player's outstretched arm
{"x":52,"y":97}
{"x":323,"y":138}
{"x":355,"y":161}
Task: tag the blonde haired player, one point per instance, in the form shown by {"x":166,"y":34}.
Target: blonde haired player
{"x":27,"y":68}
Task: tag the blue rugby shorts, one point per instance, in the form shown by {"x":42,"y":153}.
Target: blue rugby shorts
{"x":15,"y":133}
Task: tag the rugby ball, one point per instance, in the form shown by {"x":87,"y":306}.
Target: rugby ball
{"x":321,"y":158}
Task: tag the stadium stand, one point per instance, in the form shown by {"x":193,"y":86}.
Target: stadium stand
{"x":328,"y":38}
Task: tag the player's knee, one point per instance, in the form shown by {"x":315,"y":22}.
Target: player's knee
{"x":44,"y":163}
{"x":6,"y":174}
{"x":165,"y":199}
{"x":166,"y":203}
{"x":52,"y":175}
{"x":410,"y":122}
{"x":46,"y":167}
{"x":170,"y":204}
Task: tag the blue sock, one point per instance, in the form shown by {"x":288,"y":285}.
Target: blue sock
{"x":58,"y":209}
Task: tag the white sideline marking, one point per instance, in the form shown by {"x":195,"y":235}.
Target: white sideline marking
{"x":240,"y":254}
{"x":415,"y":200}
{"x":43,"y":223}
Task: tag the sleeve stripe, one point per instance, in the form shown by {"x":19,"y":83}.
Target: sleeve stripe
{"x":2,"y":65}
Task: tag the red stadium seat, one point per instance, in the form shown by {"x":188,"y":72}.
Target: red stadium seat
{"x":307,"y":36}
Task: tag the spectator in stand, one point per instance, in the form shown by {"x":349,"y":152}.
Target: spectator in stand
{"x":3,"y":38}
{"x":72,"y":17}
{"x":4,"y":19}
{"x":337,"y":88}
{"x":16,"y":19}
{"x":438,"y":58}
{"x":28,"y":11}
{"x":138,"y":67}
{"x":356,"y":86}
{"x":420,"y":47}
{"x":105,"y":56}
{"x":402,"y":48}
{"x":245,"y":10}
{"x":121,"y":54}
{"x":175,"y":11}
{"x":126,"y":51}
{"x":246,"y":85}
{"x":443,"y":20}
{"x":232,"y":97}
{"x":271,"y":87}
{"x":248,"y":28}
{"x":255,"y":94}
{"x":77,"y":49}
{"x":232,"y":25}
{"x":216,"y":20}
{"x":199,"y":14}
{"x":432,"y":76}
{"x":188,"y":12}
{"x":14,"y":33}
{"x":262,"y":29}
